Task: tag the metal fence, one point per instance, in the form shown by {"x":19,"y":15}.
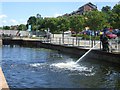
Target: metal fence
{"x":71,"y":41}
{"x":114,"y":44}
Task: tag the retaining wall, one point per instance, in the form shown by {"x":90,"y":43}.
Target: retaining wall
{"x":77,"y":51}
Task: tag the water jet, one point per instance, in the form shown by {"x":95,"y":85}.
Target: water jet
{"x":86,"y":53}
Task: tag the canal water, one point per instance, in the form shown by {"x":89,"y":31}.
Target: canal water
{"x":44,"y":68}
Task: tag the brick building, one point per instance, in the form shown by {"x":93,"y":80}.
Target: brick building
{"x":87,"y":7}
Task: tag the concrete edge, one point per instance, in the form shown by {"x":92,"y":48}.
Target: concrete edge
{"x":3,"y":82}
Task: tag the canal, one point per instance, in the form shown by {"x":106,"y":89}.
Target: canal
{"x":26,"y":67}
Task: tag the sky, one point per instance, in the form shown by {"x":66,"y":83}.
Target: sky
{"x":15,"y":13}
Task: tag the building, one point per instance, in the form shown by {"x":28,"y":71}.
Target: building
{"x":87,"y":7}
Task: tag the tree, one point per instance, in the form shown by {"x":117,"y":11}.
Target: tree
{"x":6,"y":27}
{"x":50,"y":23}
{"x":106,"y":9}
{"x":32,"y":21}
{"x":38,"y":15}
{"x":77,"y":23}
{"x":39,"y":22}
{"x":96,"y":20}
{"x":22,"y":27}
{"x":63,"y":25}
{"x":1,"y":27}
{"x":115,"y":16}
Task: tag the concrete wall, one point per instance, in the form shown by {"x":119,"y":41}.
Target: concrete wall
{"x":94,"y":54}
{"x":3,"y":83}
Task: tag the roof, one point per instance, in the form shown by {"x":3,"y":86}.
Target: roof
{"x":90,"y":4}
{"x":81,"y":9}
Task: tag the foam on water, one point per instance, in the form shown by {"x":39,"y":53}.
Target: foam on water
{"x":72,"y":66}
{"x":68,"y":65}
{"x":65,"y":65}
{"x":37,"y":64}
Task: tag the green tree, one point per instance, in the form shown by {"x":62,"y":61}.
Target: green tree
{"x":96,"y":20}
{"x":106,"y":9}
{"x":77,"y":23}
{"x":32,"y":21}
{"x":115,"y":16}
{"x":6,"y":27}
{"x":1,"y":27}
{"x":63,"y":25}
{"x":39,"y":22}
{"x":51,"y":23}
{"x":22,"y":27}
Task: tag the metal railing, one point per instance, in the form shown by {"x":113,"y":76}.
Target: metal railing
{"x":114,"y":44}
{"x":71,"y":41}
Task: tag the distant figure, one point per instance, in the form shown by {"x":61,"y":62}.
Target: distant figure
{"x":3,"y":34}
{"x":105,"y":43}
{"x":10,"y":35}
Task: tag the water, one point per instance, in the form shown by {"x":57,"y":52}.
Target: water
{"x":44,"y":68}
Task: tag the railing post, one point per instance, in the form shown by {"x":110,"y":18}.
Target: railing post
{"x":50,"y":39}
{"x":59,"y":41}
{"x":85,"y":42}
{"x":100,"y":45}
{"x":78,"y":41}
{"x":68,"y":41}
{"x":73,"y":41}
{"x":92,"y":43}
{"x":117,"y":45}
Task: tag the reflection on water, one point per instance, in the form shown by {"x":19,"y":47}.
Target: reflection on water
{"x":38,"y":67}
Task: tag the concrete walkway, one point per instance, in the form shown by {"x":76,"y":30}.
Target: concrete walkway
{"x":3,"y":83}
